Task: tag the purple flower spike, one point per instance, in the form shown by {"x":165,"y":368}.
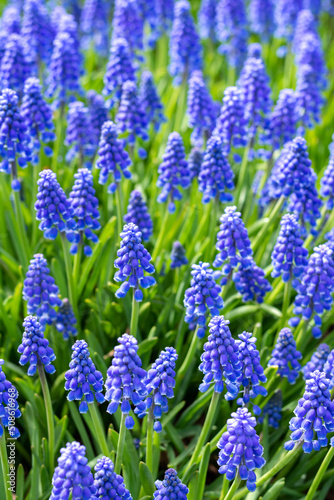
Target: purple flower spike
{"x":250,"y":281}
{"x":207,"y":19}
{"x":285,"y":356}
{"x":178,"y":256}
{"x":261,"y":16}
{"x":150,"y":101}
{"x":138,"y":214}
{"x":14,"y":68}
{"x":170,"y":488}
{"x":232,"y":30}
{"x":36,"y":32}
{"x":120,"y":68}
{"x":94,"y":24}
{"x":286,"y":12}
{"x":79,"y":134}
{"x":128,"y":23}
{"x":201,"y":109}
{"x":327,"y":183}
{"x":34,"y":348}
{"x":273,"y":409}
{"x":66,"y":321}
{"x":317,"y":361}
{"x":98,"y":114}
{"x":108,"y":484}
{"x":283,"y":120}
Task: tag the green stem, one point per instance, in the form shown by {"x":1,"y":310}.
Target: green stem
{"x":49,"y":415}
{"x":77,"y":263}
{"x":134,"y":317}
{"x":242,"y":174}
{"x":70,"y":284}
{"x":286,"y":302}
{"x":233,"y":488}
{"x":301,"y":330}
{"x":4,"y":462}
{"x":190,"y":356}
{"x":99,"y":429}
{"x":264,"y":229}
{"x":120,"y":445}
{"x":161,"y":236}
{"x":149,"y":440}
{"x":205,"y":429}
{"x":120,"y":208}
{"x":22,"y":229}
{"x":35,"y":172}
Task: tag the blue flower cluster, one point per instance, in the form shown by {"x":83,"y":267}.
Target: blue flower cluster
{"x":195,"y":160}
{"x":274,"y":410}
{"x":178,"y":256}
{"x":120,"y":68}
{"x":327,"y":184}
{"x":202,"y":297}
{"x":286,"y":13}
{"x":128,"y":23}
{"x":231,"y":22}
{"x":108,"y":484}
{"x":329,"y":369}
{"x":250,"y":281}
{"x":138,"y":214}
{"x":66,"y":321}
{"x":14,"y":68}
{"x":170,"y":488}
{"x":317,"y":361}
{"x":283,"y":119}
{"x":132,"y":260}
{"x":79,"y":133}
{"x":261,"y":17}
{"x":125,"y":381}
{"x":9,"y":407}
{"x":285,"y":356}
{"x":150,"y":101}
{"x":36,"y":32}
{"x":98,"y":114}
{"x":35,"y":349}
{"x":207,"y":19}
{"x":240,"y":449}
{"x":94,"y":24}
{"x":314,"y":414}
{"x":220,"y":359}
{"x":201,"y":109}
{"x":83,"y":380}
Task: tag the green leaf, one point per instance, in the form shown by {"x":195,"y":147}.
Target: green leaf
{"x":20,"y":483}
{"x":275,"y":490}
{"x":203,"y":469}
{"x":146,"y":345}
{"x":60,"y":430}
{"x":189,"y":474}
{"x":146,"y":479}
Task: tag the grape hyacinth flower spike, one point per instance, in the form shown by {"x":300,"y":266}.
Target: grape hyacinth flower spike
{"x":108,"y":484}
{"x":73,"y":475}
{"x":201,"y":109}
{"x":66,"y":321}
{"x":283,"y":119}
{"x":185,"y":48}
{"x":138,"y":214}
{"x":112,"y":157}
{"x":79,"y":134}
{"x":216,"y":176}
{"x":207,"y":19}
{"x":285,"y":356}
{"x":85,"y":204}
{"x":94,"y":25}
{"x":170,"y":487}
{"x":9,"y":407}
{"x":231,"y":27}
{"x":202,"y":299}
{"x":273,"y":409}
{"x":125,"y":383}
{"x":195,"y":160}
{"x":120,"y":69}
{"x":261,"y":17}
{"x":327,"y":184}
{"x":314,"y":414}
{"x":286,"y":13}
{"x":83,"y":380}
{"x":35,"y":349}
{"x":98,"y":114}
{"x":317,"y":361}
{"x":178,"y":256}
{"x":220,"y":361}
{"x":14,"y":68}
{"x":173,"y":172}
{"x":128,"y":22}
{"x":241,"y":452}
{"x":329,"y":369}
{"x":150,"y":101}
{"x":133,"y":260}
{"x":11,"y":20}
{"x":14,"y":138}
{"x":37,"y":114}
{"x":315,"y":289}
{"x":160,"y":383}
{"x":40,"y":291}
{"x":36,"y":32}
{"x":250,"y":281}
{"x":53,"y":209}
{"x":252,"y":373}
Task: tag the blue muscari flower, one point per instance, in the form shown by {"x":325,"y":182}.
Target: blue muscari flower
{"x":170,"y":488}
{"x":112,"y":157}
{"x":231,"y":22}
{"x":120,"y":68}
{"x":66,"y":23}
{"x":131,"y":118}
{"x":37,"y":114}
{"x":83,"y":380}
{"x":185,"y":48}
{"x":216,"y":175}
{"x":165,"y":16}
{"x":220,"y":361}
{"x":250,"y":281}
{"x":132,"y":261}
{"x":315,"y":289}
{"x":314,"y":414}
{"x":14,"y":137}
{"x":9,"y":407}
{"x":108,"y":484}
{"x":310,"y":52}
{"x":327,"y":183}
{"x":36,"y":32}
{"x":178,"y":256}
{"x":283,"y":119}
{"x":255,"y":90}
{"x":98,"y":113}
{"x":233,"y":243}
{"x":329,"y":369}
{"x":207,"y":19}
{"x":285,"y":356}
{"x":317,"y":361}
{"x":138,"y":214}
{"x":72,"y":476}
{"x":35,"y":349}
{"x":40,"y":290}
{"x":308,"y":96}
{"x":315,"y":6}
{"x":64,"y":69}
{"x":14,"y":67}
{"x":202,"y":299}
{"x":273,"y":409}
{"x":252,"y":373}
{"x":231,"y":123}
{"x":195,"y":160}
{"x":305,"y":24}
{"x":79,"y":133}
{"x":160,"y":383}
{"x":150,"y":101}
{"x":261,"y":16}
{"x":11,"y":20}
{"x":85,"y":209}
{"x":66,"y":321}
{"x":94,"y":24}
{"x":53,"y":209}
{"x":289,"y":257}
{"x":201,"y":109}
{"x":286,"y":12}
{"x":128,"y":23}
{"x":125,"y":383}
{"x":240,"y":447}
{"x":173,"y":172}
